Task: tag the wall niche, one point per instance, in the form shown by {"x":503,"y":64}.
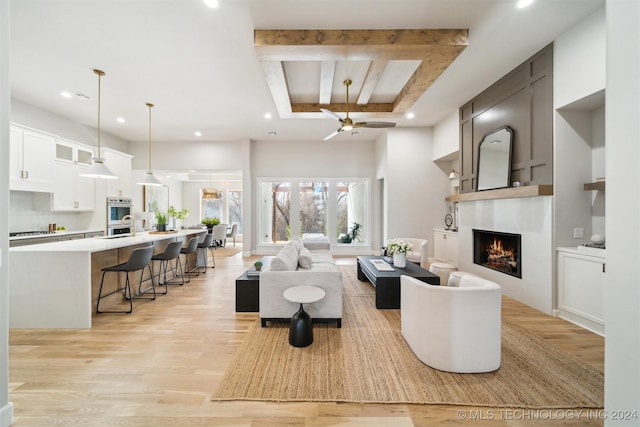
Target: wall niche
{"x":522,"y":100}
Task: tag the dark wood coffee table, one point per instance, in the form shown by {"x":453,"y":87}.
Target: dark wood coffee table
{"x":387,"y":283}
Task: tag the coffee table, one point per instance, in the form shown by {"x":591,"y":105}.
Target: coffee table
{"x":387,"y":283}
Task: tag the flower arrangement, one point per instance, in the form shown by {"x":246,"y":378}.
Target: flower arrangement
{"x":398,"y":246}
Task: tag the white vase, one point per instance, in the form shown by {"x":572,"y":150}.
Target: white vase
{"x":400,"y":260}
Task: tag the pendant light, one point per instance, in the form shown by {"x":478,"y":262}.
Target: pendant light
{"x":98,"y":169}
{"x":149,"y":179}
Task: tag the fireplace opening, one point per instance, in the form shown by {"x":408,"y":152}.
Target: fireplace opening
{"x":498,"y":251}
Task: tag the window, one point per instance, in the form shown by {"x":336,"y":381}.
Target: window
{"x":351,"y":198}
{"x":330,"y":208}
{"x":313,"y":198}
{"x":275,"y":223}
{"x":235,"y":209}
{"x":212,"y":203}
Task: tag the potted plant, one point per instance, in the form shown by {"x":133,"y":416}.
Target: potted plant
{"x":177,"y":214}
{"x":210,"y":222}
{"x":355,"y":231}
{"x":161,"y":221}
{"x":258,"y":265}
{"x":398,"y":248}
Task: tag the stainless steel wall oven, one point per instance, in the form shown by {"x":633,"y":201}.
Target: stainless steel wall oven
{"x":117,"y":208}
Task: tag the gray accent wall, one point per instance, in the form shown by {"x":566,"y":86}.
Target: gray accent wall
{"x":522,"y":100}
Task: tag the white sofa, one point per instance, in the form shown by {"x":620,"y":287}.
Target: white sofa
{"x":419,"y":253}
{"x":296,"y":265}
{"x":453,"y":329}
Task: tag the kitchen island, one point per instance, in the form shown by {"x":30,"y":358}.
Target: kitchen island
{"x":55,"y":285}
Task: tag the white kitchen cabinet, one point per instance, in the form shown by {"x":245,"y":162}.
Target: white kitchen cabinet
{"x":581,"y":290}
{"x":120,"y":164}
{"x":445,"y":245}
{"x":32,"y":155}
{"x":72,"y":192}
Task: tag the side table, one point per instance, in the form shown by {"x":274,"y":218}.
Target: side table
{"x":247,"y":293}
{"x":301,"y":330}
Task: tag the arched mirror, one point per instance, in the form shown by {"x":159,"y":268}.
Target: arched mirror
{"x":494,"y":159}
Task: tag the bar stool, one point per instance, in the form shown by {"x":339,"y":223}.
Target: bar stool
{"x":138,"y":260}
{"x":206,"y":245}
{"x":191,"y":248}
{"x":171,"y":252}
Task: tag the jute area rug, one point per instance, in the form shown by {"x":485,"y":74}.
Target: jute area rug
{"x":227,"y":251}
{"x":368,"y":361}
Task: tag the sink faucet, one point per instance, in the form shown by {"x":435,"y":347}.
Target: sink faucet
{"x":132,"y":223}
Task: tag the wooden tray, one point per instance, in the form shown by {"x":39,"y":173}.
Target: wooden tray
{"x":163,"y":232}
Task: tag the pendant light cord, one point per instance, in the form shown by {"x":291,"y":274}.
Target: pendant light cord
{"x":150,"y":106}
{"x":100,"y":73}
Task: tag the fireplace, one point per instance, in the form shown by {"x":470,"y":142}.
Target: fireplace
{"x":498,"y":251}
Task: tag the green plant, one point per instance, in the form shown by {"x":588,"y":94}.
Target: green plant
{"x":398,"y":246}
{"x":181,"y":214}
{"x":258,"y":265}
{"x":355,"y":231}
{"x":161,"y":218}
{"x":211,"y":221}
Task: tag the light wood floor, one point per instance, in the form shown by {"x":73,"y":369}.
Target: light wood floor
{"x":160,"y":365}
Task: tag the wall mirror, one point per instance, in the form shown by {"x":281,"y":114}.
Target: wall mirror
{"x":494,"y":159}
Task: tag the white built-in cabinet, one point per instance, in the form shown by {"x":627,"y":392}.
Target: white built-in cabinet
{"x":120,"y":164}
{"x":72,"y":192}
{"x":581,"y":288}
{"x":31,"y":160}
{"x":445,"y":245}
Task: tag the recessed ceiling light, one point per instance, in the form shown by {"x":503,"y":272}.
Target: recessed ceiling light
{"x":523,"y":3}
{"x":197,"y":133}
{"x":213,"y":4}
{"x":66,"y":95}
{"x":192,"y":171}
{"x":121,"y":120}
{"x":410,"y":115}
{"x":267,"y":115}
{"x":272,"y":133}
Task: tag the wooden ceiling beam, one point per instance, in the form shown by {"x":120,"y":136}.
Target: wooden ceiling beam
{"x":436,"y":49}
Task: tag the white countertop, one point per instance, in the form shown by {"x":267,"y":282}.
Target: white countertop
{"x":584,"y":250}
{"x":98,"y":244}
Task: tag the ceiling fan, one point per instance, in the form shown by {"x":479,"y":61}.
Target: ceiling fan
{"x":347,"y":124}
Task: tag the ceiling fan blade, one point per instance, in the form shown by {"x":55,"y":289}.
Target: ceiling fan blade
{"x":331,"y":135}
{"x":374,"y":125}
{"x":331,"y":114}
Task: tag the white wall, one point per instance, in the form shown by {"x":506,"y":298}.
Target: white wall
{"x":446,"y":137}
{"x":579,"y":58}
{"x":200,"y":155}
{"x":416,"y":186}
{"x":622,"y":305}
{"x":6,"y":407}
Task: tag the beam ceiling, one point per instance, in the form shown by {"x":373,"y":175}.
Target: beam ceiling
{"x":434,"y":50}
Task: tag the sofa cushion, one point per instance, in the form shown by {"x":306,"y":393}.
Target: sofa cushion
{"x":304,"y":258}
{"x":296,"y":243}
{"x":286,"y":260}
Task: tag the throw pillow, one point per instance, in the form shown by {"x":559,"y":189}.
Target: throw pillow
{"x":304,"y":258}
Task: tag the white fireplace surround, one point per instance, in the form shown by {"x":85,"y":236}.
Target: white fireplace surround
{"x":530,"y":217}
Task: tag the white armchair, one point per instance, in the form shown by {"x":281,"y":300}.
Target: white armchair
{"x":453,"y":329}
{"x":419,"y":253}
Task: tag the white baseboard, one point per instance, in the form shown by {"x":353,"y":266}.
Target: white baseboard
{"x":6,"y":415}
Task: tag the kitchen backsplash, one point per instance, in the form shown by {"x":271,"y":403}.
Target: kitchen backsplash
{"x":24,"y":217}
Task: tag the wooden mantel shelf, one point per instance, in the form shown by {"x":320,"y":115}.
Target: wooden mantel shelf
{"x":504,"y":193}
